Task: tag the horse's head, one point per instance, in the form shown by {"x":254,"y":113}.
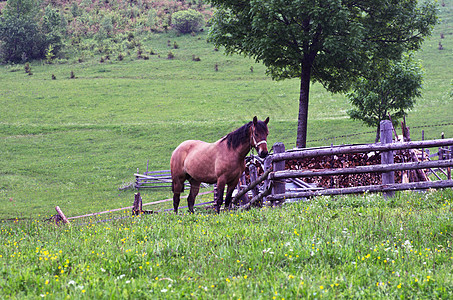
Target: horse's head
{"x":258,"y":136}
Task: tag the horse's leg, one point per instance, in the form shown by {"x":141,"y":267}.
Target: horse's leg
{"x":178,"y":188}
{"x":194,"y":189}
{"x":229,"y":194}
{"x":219,"y":200}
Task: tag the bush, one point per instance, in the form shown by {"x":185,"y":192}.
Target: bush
{"x":22,"y":37}
{"x":187,"y":21}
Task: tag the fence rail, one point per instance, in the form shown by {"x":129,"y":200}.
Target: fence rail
{"x":275,"y":175}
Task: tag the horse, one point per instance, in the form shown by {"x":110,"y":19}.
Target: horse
{"x":221,"y":162}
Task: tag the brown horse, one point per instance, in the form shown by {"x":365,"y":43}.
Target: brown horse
{"x":221,"y":162}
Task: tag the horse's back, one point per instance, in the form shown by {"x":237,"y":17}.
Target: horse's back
{"x":181,"y":152}
{"x":195,"y":158}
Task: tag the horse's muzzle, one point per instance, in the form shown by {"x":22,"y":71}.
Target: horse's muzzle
{"x":262,"y":153}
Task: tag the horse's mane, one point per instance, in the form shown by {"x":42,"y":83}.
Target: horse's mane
{"x":236,"y":138}
{"x":239,"y":136}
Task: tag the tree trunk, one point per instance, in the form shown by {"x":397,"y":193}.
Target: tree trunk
{"x":301,"y":141}
{"x":378,"y":132}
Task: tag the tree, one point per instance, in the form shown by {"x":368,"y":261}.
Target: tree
{"x":334,"y":42}
{"x":21,"y":35}
{"x":387,"y":92}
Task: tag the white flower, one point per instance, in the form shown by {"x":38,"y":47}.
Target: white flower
{"x":71,"y":282}
{"x":163,"y":290}
{"x":268,"y":250}
{"x":102,"y":269}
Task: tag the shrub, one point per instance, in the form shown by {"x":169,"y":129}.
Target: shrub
{"x":23,"y":37}
{"x":187,"y":21}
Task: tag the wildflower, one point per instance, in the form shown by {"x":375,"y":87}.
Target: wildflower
{"x":321,"y":287}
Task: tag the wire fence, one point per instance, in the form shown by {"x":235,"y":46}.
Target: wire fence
{"x":352,"y":135}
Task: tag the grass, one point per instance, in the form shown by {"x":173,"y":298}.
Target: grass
{"x":349,"y":247}
{"x":74,"y":142}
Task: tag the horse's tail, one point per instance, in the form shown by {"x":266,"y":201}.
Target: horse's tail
{"x":176,"y":169}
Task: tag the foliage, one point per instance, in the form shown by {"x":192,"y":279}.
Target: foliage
{"x":332,"y":42}
{"x":49,"y":54}
{"x":23,"y":37}
{"x":187,"y":21}
{"x":390,"y":92}
{"x":20,"y":39}
{"x":19,"y":32}
{"x":350,"y":247}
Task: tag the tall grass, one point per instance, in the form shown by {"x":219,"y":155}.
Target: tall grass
{"x":347,"y":247}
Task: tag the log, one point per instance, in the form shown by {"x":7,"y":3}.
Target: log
{"x":279,"y":185}
{"x":299,"y":154}
{"x":258,"y":197}
{"x":362,"y":169}
{"x":370,"y":188}
{"x":387,"y":156}
{"x":62,"y":216}
{"x":251,"y":186}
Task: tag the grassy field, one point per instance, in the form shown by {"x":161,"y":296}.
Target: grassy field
{"x":74,"y":142}
{"x":350,"y":247}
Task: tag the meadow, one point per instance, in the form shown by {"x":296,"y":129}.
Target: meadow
{"x":349,"y":247}
{"x":73,"y":142}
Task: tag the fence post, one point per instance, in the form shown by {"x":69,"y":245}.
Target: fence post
{"x":267,"y":165}
{"x":386,"y":128}
{"x":279,"y":185}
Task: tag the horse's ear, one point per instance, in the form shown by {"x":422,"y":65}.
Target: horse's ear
{"x":255,"y":120}
{"x":267,"y":120}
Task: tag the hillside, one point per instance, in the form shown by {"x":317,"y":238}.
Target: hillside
{"x":73,"y":142}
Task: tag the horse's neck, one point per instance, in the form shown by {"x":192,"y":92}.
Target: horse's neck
{"x":242,"y":150}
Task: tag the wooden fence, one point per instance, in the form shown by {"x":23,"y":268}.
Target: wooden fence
{"x":275,"y":175}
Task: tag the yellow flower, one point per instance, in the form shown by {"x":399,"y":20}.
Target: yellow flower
{"x":399,"y":286}
{"x":321,"y":287}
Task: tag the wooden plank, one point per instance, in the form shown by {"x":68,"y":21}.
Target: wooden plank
{"x":62,"y":216}
{"x":304,"y":153}
{"x":387,"y":156}
{"x":279,"y":185}
{"x":130,"y":207}
{"x":171,"y":199}
{"x":362,"y":169}
{"x":252,"y":185}
{"x":370,"y":188}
